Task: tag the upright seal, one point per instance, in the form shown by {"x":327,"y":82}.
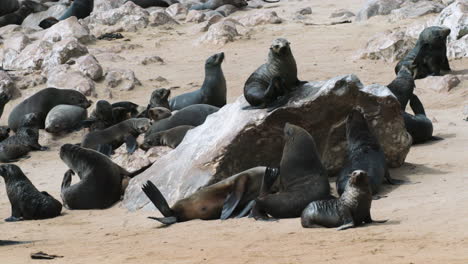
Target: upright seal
{"x":26,"y":201}
{"x":350,"y":210}
{"x":273,"y":79}
{"x":302,"y":178}
{"x":213,"y":90}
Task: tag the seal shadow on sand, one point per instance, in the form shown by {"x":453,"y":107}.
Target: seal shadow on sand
{"x":13,"y":242}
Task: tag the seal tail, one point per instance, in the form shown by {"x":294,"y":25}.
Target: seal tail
{"x":156,"y":197}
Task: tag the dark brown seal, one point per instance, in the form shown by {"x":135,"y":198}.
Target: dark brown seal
{"x":230,"y":197}
{"x":101,"y":180}
{"x":350,"y":210}
{"x":302,"y":178}
{"x":403,"y":86}
{"x":26,"y":201}
{"x":274,"y":79}
{"x":419,"y":126}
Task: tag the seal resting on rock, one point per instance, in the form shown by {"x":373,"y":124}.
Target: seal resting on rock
{"x":65,"y":118}
{"x":193,"y":115}
{"x":418,"y":125}
{"x":42,"y":102}
{"x":350,"y":210}
{"x":364,"y":153}
{"x":302,"y":178}
{"x":101,"y":180}
{"x":213,"y":4}
{"x":171,"y":138}
{"x":429,"y":56}
{"x":26,"y":8}
{"x":149,"y":3}
{"x":109,"y":139}
{"x":26,"y":201}
{"x":213,"y":90}
{"x":273,"y":79}
{"x":232,"y":196}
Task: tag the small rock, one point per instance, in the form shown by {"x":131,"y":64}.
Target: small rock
{"x":62,"y":52}
{"x":195,"y":16}
{"x":128,"y":17}
{"x":305,"y":11}
{"x":68,"y":28}
{"x":388,"y":46}
{"x":260,"y":18}
{"x":106,"y":5}
{"x":377,"y":7}
{"x":160,"y":18}
{"x":17,"y":42}
{"x":441,"y":83}
{"x":342,"y":13}
{"x":177,"y":11}
{"x":125,"y":80}
{"x":227,"y":10}
{"x":27,"y":79}
{"x":90,"y":67}
{"x":458,"y":48}
{"x":413,"y":10}
{"x":30,"y":58}
{"x":221,"y":33}
{"x":152,"y":59}
{"x":7,"y":86}
{"x":203,"y":27}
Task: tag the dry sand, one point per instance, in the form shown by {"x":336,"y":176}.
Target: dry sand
{"x":427,"y":221}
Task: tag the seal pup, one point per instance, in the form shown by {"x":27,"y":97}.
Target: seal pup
{"x":213,"y":4}
{"x":302,"y":178}
{"x":158,"y":113}
{"x":350,"y":210}
{"x":149,"y":3}
{"x":131,"y":108}
{"x":273,"y":79}
{"x":65,"y":119}
{"x":418,"y":125}
{"x":42,"y":102}
{"x":107,"y":140}
{"x":102,"y":117}
{"x":101,"y":180}
{"x":26,"y":8}
{"x":229,"y":197}
{"x":429,"y":56}
{"x":4,"y":99}
{"x":26,"y":201}
{"x":213,"y":90}
{"x":79,"y":9}
{"x":159,"y":99}
{"x":363,"y":153}
{"x":403,"y":86}
{"x":171,"y":138}
{"x":193,"y":115}
{"x":25,"y":140}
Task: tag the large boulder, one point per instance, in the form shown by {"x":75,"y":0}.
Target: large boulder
{"x":30,"y":58}
{"x":417,"y":9}
{"x":455,"y":17}
{"x":68,"y":28}
{"x":233,"y":139}
{"x":34,"y":19}
{"x":377,"y":7}
{"x":389,"y":46}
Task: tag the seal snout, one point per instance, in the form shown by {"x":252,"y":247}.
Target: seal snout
{"x":280,"y":46}
{"x":357,"y":176}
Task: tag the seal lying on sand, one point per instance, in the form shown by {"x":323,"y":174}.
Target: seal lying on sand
{"x":364,"y":153}
{"x":109,"y":139}
{"x":418,"y":125}
{"x":350,"y":210}
{"x":229,"y":197}
{"x":213,"y":90}
{"x":429,"y":56}
{"x":42,"y":102}
{"x":302,"y":178}
{"x":26,"y":201}
{"x":101,"y":180}
{"x":273,"y":79}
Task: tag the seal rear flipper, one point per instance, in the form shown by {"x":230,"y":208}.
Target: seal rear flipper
{"x":378,"y":197}
{"x":346,"y":226}
{"x":233,"y":198}
{"x":67,"y":178}
{"x":435,"y":138}
{"x":131,"y":143}
{"x":105,"y":149}
{"x":13,"y":219}
{"x":392,"y":181}
{"x":156,"y":197}
{"x":165,"y":220}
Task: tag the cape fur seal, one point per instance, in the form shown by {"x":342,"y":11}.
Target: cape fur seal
{"x":350,"y":210}
{"x":403,"y":86}
{"x":9,"y":6}
{"x":107,"y":140}
{"x":4,"y":99}
{"x":4,"y":132}
{"x":364,"y":153}
{"x":213,"y":90}
{"x":171,"y":137}
{"x":159,"y":99}
{"x":273,"y":79}
{"x":229,"y":197}
{"x":79,"y":9}
{"x":193,"y":115}
{"x":42,"y":102}
{"x":418,"y":125}
{"x":213,"y":4}
{"x":149,"y":3}
{"x":65,"y":118}
{"x":101,"y":180}
{"x":429,"y":56}
{"x":302,"y":178}
{"x":26,"y":201}
{"x":17,"y":17}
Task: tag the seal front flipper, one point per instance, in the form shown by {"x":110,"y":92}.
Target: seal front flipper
{"x":165,"y":220}
{"x":233,"y":198}
{"x":13,"y":219}
{"x":435,"y":138}
{"x":378,"y":197}
{"x":392,"y":181}
{"x":131,"y":143}
{"x":369,"y":220}
{"x":67,"y":178}
{"x":105,"y":149}
{"x":348,"y":221}
{"x":156,"y":197}
{"x":246,"y":210}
